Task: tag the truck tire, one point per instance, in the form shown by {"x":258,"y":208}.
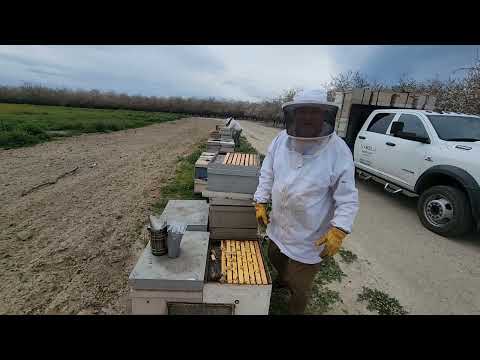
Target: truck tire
{"x":445,"y":210}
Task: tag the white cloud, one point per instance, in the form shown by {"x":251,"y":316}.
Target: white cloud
{"x":244,"y":72}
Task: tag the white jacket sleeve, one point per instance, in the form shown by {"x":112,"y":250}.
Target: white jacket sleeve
{"x":345,"y":194}
{"x":265,"y":182}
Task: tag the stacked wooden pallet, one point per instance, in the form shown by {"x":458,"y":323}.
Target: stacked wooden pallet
{"x":242,"y":263}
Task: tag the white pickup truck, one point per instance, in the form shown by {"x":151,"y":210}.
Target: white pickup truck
{"x":398,"y":140}
{"x":433,"y":155}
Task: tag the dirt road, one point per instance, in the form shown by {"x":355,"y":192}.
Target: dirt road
{"x":69,"y":247}
{"x":427,"y":273}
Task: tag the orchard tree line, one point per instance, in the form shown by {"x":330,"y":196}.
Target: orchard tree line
{"x":455,"y":94}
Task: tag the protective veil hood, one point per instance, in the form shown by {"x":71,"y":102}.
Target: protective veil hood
{"x":309,"y":115}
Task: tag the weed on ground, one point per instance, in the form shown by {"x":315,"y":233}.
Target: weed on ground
{"x":381,"y":302}
{"x":347,"y":256}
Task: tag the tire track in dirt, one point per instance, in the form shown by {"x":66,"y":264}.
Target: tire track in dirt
{"x":70,"y":246}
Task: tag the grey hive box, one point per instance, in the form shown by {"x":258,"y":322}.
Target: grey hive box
{"x":233,"y":178}
{"x":232,"y":222}
{"x":157,"y":281}
{"x":229,"y":216}
{"x":232,"y":234}
{"x":185,"y":273}
{"x":192,"y":212}
{"x":233,"y":202}
{"x":220,"y":146}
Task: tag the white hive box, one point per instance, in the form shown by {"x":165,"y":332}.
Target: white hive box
{"x":199,"y":186}
{"x":247,"y":283}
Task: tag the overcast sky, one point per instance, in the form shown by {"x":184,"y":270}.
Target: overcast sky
{"x":233,"y":71}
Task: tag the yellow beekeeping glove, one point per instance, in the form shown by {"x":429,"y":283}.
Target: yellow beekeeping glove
{"x":333,"y":240}
{"x":261,"y":213}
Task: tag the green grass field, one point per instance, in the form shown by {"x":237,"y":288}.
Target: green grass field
{"x":23,"y":125}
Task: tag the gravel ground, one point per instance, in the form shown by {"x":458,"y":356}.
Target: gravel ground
{"x":68,"y":247}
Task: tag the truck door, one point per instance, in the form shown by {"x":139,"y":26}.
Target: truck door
{"x":370,"y":142}
{"x":407,"y":158}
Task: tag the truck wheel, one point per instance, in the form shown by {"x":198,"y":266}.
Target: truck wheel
{"x":445,"y":210}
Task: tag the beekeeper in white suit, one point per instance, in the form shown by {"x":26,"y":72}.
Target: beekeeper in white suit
{"x":308,"y":175}
{"x":236,"y":130}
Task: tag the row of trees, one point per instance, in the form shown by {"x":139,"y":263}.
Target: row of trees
{"x":41,"y":95}
{"x":455,"y":94}
{"x":459,"y":95}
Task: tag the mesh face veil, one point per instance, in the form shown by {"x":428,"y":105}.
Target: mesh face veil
{"x":309,"y":120}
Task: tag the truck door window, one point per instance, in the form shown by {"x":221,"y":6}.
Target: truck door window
{"x":413,"y":125}
{"x":380,"y":123}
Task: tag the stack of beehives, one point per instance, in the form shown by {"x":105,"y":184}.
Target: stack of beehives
{"x":232,"y":181}
{"x":221,"y":140}
{"x":200,"y":176}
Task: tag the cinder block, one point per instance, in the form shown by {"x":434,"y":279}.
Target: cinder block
{"x":185,"y":273}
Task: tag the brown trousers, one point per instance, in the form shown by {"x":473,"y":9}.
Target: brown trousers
{"x":297,"y":276}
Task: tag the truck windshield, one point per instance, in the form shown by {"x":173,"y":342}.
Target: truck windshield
{"x":456,"y":128}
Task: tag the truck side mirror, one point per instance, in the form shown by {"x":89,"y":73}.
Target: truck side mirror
{"x":397,"y":127}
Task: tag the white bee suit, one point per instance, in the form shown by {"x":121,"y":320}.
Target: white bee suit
{"x":235,"y":125}
{"x":312,"y":187}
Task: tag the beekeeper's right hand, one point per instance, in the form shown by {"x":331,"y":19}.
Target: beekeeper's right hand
{"x":261,"y":213}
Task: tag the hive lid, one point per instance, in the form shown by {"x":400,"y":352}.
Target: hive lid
{"x":194,"y":213}
{"x":185,"y":273}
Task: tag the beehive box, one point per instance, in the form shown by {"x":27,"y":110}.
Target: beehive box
{"x":194,"y":213}
{"x":199,"y":186}
{"x":220,"y":146}
{"x":246,"y":281}
{"x":201,"y":165}
{"x":232,"y":222}
{"x":234,"y":173}
{"x":158,"y":280}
